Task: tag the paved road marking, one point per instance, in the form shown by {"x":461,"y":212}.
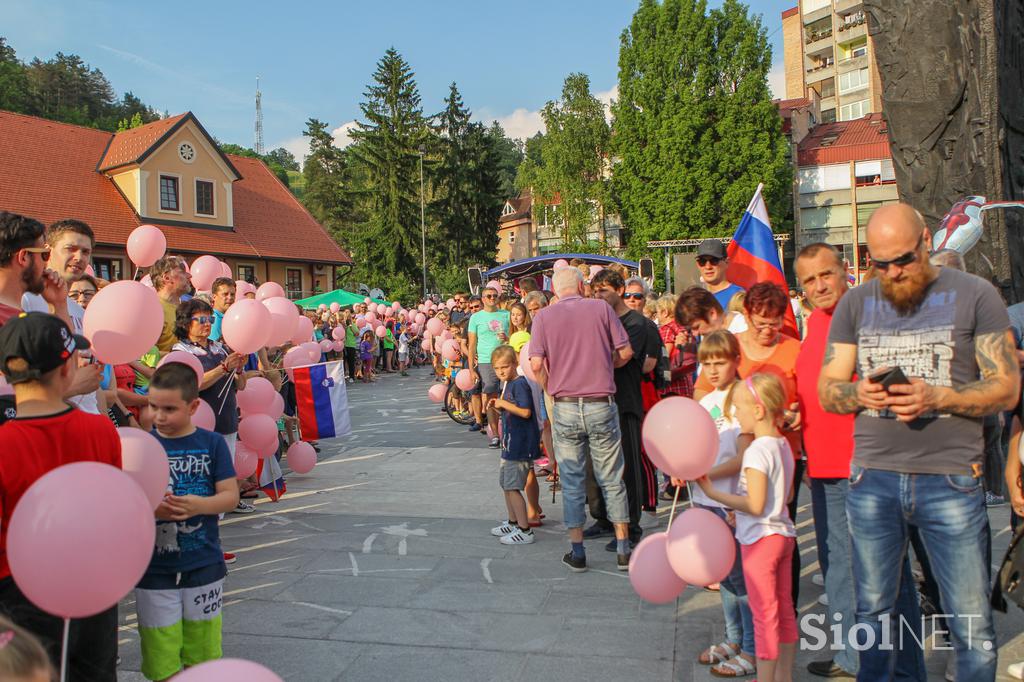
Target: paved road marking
{"x":271,"y":544}
{"x":349,"y":459}
{"x":368,"y":543}
{"x":304,"y":493}
{"x":620,"y":574}
{"x":355,"y":566}
{"x":263,"y":563}
{"x":485,"y":567}
{"x":328,"y":609}
{"x":253,"y":517}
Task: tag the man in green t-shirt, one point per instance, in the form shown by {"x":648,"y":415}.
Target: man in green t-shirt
{"x":488,"y":329}
{"x":351,"y":343}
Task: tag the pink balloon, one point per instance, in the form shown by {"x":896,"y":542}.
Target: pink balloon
{"x":144,"y":459}
{"x":322,"y":307}
{"x":269,"y":290}
{"x":257,"y":430}
{"x":338,"y":346}
{"x":388,"y":312}
{"x":123,"y":321}
{"x":436,"y":392}
{"x":242,"y":289}
{"x":185,"y":358}
{"x":435,"y":326}
{"x":227,"y":670}
{"x":594,"y":269}
{"x":560,"y":263}
{"x":272,"y":407}
{"x":525,"y":366}
{"x":267,"y":450}
{"x":246,"y":325}
{"x":464,"y":380}
{"x":257,"y":394}
{"x":494,"y":284}
{"x":396,"y":306}
{"x":284,"y":317}
{"x":245,"y":460}
{"x":421,"y":318}
{"x":295,"y":357}
{"x":335,"y":307}
{"x":381,"y":332}
{"x":225,"y":271}
{"x":700,"y":547}
{"x":89,"y":271}
{"x":146,"y":280}
{"x":367,"y":300}
{"x":204,"y":416}
{"x":303,"y":330}
{"x":446,"y":335}
{"x":326,"y":345}
{"x":301,"y":457}
{"x":80,"y":539}
{"x":450,"y":350}
{"x":371,"y":316}
{"x":650,"y":573}
{"x":450,"y":302}
{"x":146,"y":245}
{"x":312,"y":349}
{"x":338,"y":333}
{"x":680,"y":438}
{"x":425,"y":345}
{"x":205,"y":269}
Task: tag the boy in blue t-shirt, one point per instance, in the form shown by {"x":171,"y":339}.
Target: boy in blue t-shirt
{"x":520,"y":444}
{"x":179,"y":598}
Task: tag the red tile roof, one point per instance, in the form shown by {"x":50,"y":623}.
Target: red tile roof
{"x":48,"y":172}
{"x":520,"y":206}
{"x":131,"y":145}
{"x":862,"y":139}
{"x":786,"y":14}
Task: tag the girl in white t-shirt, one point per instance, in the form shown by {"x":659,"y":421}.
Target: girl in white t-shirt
{"x":763,"y":528}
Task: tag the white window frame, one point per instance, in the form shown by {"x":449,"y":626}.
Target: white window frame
{"x":159,"y":200}
{"x":512,"y":238}
{"x":863,"y":78}
{"x":238,"y":270}
{"x":195,"y":197}
{"x":864,"y":106}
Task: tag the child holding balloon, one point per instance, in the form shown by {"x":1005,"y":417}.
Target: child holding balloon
{"x":763,"y":528}
{"x":179,"y":597}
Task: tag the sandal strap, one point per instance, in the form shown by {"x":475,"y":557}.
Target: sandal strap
{"x":716,"y":658}
{"x":738,"y":666}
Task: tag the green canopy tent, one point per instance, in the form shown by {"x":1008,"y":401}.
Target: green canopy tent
{"x":339,"y":296}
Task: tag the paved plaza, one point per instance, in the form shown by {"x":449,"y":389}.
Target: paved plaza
{"x":379,"y":566}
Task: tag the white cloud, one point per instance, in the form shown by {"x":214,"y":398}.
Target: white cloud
{"x":521,"y":123}
{"x":341,"y":136}
{"x":777,"y":81}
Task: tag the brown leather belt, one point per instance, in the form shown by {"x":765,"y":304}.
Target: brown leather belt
{"x":588,"y":399}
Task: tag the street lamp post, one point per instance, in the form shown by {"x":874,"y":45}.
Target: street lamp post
{"x":423,"y":228}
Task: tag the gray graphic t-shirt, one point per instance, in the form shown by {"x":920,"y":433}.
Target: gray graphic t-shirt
{"x":935,"y":343}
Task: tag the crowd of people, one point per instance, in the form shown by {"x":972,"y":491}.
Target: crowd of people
{"x":895,"y":403}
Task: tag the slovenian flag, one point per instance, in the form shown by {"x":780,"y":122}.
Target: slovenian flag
{"x":322,"y":401}
{"x":753,"y":256}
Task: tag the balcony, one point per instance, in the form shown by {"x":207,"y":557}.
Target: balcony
{"x":820,"y":72}
{"x":848,"y":6}
{"x":852,"y":64}
{"x":817,"y":14}
{"x":847,"y":32}
{"x":819,"y":44}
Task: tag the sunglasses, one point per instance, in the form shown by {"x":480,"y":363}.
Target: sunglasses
{"x":638,"y":297}
{"x":900,"y":261}
{"x":203,"y":319}
{"x":704,"y":260}
{"x":84,"y":293}
{"x":43,"y":251}
{"x":488,"y":296}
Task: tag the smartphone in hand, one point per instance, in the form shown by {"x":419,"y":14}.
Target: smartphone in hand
{"x":888,"y":376}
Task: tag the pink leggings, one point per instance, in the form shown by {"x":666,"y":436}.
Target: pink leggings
{"x":767,"y":572}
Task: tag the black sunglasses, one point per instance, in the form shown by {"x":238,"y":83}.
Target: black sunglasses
{"x":638,"y":297}
{"x":900,"y":261}
{"x":704,"y":260}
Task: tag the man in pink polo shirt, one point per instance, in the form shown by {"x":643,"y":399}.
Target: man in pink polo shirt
{"x":575,"y":347}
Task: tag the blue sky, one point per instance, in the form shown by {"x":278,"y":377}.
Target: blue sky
{"x":316,"y":57}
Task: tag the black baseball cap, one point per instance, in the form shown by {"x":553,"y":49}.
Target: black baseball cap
{"x":711,"y":248}
{"x":42,"y":340}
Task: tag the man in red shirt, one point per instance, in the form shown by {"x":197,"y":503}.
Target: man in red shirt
{"x":828,"y":443}
{"x":39,"y":358}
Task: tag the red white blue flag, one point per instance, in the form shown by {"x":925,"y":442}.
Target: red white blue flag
{"x":322,"y":401}
{"x":753,"y":256}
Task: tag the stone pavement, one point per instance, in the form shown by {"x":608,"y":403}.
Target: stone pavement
{"x":379,"y":565}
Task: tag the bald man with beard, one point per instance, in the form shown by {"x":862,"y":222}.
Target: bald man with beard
{"x":918,"y":448}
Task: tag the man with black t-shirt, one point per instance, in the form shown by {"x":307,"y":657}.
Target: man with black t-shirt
{"x":638,"y":476}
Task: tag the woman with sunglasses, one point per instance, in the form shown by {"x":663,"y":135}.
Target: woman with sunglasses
{"x":221,"y":379}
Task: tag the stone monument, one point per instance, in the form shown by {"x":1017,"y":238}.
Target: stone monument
{"x":952,"y":76}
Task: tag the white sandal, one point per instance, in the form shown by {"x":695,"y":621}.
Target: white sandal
{"x":714,"y":658}
{"x":736,"y":667}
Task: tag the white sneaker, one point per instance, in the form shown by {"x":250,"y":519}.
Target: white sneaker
{"x":951,"y":667}
{"x":519,"y":537}
{"x":823,"y":599}
{"x":818,"y":579}
{"x":504,"y":529}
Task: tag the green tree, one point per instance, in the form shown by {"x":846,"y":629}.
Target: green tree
{"x":695,"y":127}
{"x":15,"y":93}
{"x":325,"y":194}
{"x":452,"y":176}
{"x":574,"y":162}
{"x":275,"y":167}
{"x":283,"y":158}
{"x":386,"y":155}
{"x":509,"y":155}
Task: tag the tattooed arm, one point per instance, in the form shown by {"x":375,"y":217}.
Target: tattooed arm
{"x":996,"y":390}
{"x":836,"y":391}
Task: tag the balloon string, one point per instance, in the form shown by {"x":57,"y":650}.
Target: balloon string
{"x":672,"y":515}
{"x":64,"y":652}
{"x":224,"y":391}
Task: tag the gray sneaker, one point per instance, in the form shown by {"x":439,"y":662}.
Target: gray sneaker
{"x":243,"y":508}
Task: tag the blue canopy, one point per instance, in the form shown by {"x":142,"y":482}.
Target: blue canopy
{"x":529,"y":266}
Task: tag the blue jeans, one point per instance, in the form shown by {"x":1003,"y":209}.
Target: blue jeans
{"x":739,"y":621}
{"x":830,"y":521}
{"x":579,"y":428}
{"x":949,"y":513}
